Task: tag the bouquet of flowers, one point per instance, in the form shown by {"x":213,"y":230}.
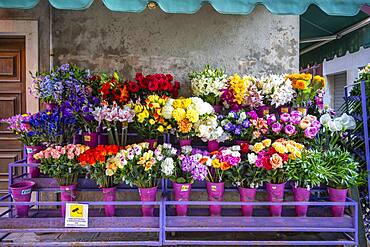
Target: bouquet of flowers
{"x":61,"y":162}
{"x":209,"y":129}
{"x":149,"y":120}
{"x":190,"y":166}
{"x":19,"y":125}
{"x":54,"y":127}
{"x":143,"y":167}
{"x":208,"y":84}
{"x":103,"y":165}
{"x":246,"y":174}
{"x":306,"y":88}
{"x":294,"y":126}
{"x":334,"y":131}
{"x":276,"y":90}
{"x":114,"y":118}
{"x":184,"y":113}
{"x":112,"y":89}
{"x":221,"y":161}
{"x":242,"y":92}
{"x":159,"y":84}
{"x":57,"y":85}
{"x":237,"y":124}
{"x":273,"y":157}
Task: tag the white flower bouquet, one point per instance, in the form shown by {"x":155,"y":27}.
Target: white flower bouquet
{"x":276,"y":90}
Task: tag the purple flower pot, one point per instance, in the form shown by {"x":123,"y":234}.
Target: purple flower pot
{"x":275,"y":193}
{"x":50,"y":106}
{"x":185,"y":142}
{"x":247,"y":195}
{"x":213,"y":146}
{"x":90,"y":139}
{"x":240,"y":142}
{"x":337,"y":195}
{"x":284,"y":109}
{"x":217,"y":108}
{"x":263,"y":111}
{"x":181,"y":193}
{"x":34,"y":172}
{"x":301,"y":195}
{"x":109,"y":195}
{"x":77,"y":139}
{"x":148,"y":195}
{"x":102,"y":139}
{"x":67,"y":194}
{"x":152,"y":143}
{"x":216,"y":194}
{"x":21,"y":192}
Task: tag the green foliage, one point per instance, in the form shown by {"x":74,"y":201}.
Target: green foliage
{"x":246,"y":175}
{"x":65,"y":171}
{"x":308,"y":171}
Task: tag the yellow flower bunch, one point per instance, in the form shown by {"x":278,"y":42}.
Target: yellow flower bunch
{"x":294,"y":149}
{"x":239,"y":87}
{"x":259,"y":146}
{"x":148,"y":117}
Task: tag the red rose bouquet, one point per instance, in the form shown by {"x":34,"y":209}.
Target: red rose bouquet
{"x":160,"y":84}
{"x":112,"y":89}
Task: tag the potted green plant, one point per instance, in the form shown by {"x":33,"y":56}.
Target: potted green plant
{"x":306,"y":172}
{"x":342,"y":173}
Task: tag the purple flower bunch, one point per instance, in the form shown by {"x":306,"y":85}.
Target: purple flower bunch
{"x":294,"y":125}
{"x":193,"y":165}
{"x":237,"y":124}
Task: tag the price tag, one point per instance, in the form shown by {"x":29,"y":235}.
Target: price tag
{"x":184,"y":187}
{"x":76,"y":215}
{"x":87,"y":138}
{"x":284,"y":109}
{"x":266,"y":112}
{"x":213,"y":188}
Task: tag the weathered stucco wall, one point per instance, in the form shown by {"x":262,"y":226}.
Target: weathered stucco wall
{"x":154,"y":41}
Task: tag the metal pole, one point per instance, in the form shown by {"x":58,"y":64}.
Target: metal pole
{"x":366,"y":132}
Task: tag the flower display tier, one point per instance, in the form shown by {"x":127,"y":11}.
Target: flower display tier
{"x":44,"y":216}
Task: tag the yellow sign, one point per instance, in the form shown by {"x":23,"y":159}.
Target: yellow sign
{"x":76,"y":211}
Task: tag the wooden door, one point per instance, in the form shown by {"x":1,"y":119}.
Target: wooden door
{"x":12,"y":100}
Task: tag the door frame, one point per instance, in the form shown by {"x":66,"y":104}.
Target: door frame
{"x":29,"y":29}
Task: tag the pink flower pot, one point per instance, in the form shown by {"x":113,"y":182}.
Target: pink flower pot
{"x":152,"y":143}
{"x":240,"y":142}
{"x":50,"y":106}
{"x":213,"y":146}
{"x":303,"y":110}
{"x":148,"y":195}
{"x":217,"y":108}
{"x":247,"y":195}
{"x":90,"y":139}
{"x":181,"y":193}
{"x":284,"y":109}
{"x":21,"y":192}
{"x":68,"y":193}
{"x":337,"y":195}
{"x":263,"y":111}
{"x":34,"y":172}
{"x":185,"y":142}
{"x":275,"y":193}
{"x":301,"y":195}
{"x":216,"y":194}
{"x":109,"y":195}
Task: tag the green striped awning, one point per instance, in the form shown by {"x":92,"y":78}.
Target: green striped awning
{"x":284,"y":7}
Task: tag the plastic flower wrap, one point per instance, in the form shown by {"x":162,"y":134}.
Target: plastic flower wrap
{"x":221,"y":161}
{"x":143,"y":167}
{"x":114,"y":118}
{"x":19,"y":125}
{"x":149,"y":120}
{"x":102,"y":165}
{"x":241,"y":92}
{"x":61,"y":162}
{"x":59,"y":84}
{"x":184,"y":113}
{"x":306,"y":87}
{"x":277,"y":90}
{"x":294,"y":126}
{"x":208,"y":84}
{"x":160,"y":84}
{"x":112,"y":89}
{"x":209,"y":129}
{"x":273,"y":156}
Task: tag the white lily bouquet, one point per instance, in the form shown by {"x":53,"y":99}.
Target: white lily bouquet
{"x":208,"y":84}
{"x":277,"y":90}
